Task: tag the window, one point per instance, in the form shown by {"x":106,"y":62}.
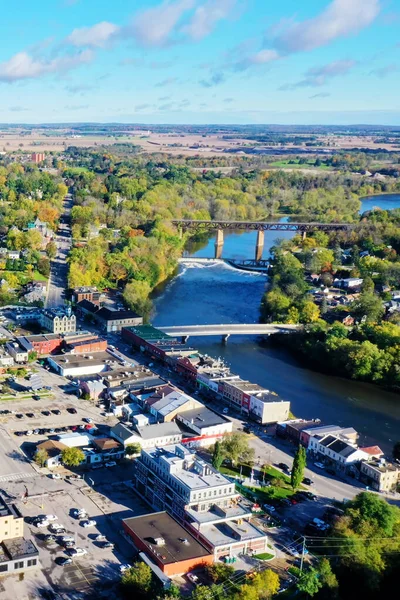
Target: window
{"x":32,"y":562}
{"x":3,"y":568}
{"x":19,"y":565}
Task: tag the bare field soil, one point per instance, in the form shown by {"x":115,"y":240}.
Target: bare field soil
{"x":174,"y":143}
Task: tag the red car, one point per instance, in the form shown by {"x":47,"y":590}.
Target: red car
{"x":293,"y":501}
{"x":74,"y":428}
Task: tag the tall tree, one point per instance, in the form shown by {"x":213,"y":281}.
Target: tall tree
{"x":72,"y":457}
{"x":309,"y":582}
{"x":299,"y":464}
{"x":218,"y":456}
{"x":41,"y":457}
{"x":137,"y":580}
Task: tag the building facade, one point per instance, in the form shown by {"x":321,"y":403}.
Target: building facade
{"x":380,"y":475}
{"x":58,"y":321}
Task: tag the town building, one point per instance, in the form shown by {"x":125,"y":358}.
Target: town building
{"x":38,"y":157}
{"x":171,"y":547}
{"x":17,"y":554}
{"x":75,"y":365}
{"x":75,"y":439}
{"x":93,"y":387}
{"x":114,"y":320}
{"x":124,"y":435}
{"x":151,"y":340}
{"x":148,"y":436}
{"x":58,"y":320}
{"x":267,"y":407}
{"x":175,"y":479}
{"x":318,"y":432}
{"x":17,"y":352}
{"x":53,"y":448}
{"x":380,"y":475}
{"x":47,"y":343}
{"x":168,"y":406}
{"x":202,"y":427}
{"x":336,"y":452}
{"x":89,"y":293}
{"x":84,"y":346}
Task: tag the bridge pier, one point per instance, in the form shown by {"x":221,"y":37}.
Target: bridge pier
{"x":219,"y":243}
{"x":259,"y":245}
{"x":303,"y":235}
{"x":225,"y":338}
{"x":184,"y":339}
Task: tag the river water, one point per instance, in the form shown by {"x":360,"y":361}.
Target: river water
{"x":213,"y":292}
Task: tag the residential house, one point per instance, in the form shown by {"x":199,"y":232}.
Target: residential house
{"x":54,"y":449}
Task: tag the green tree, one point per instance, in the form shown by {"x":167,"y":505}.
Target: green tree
{"x":219,"y":572}
{"x":137,"y":580}
{"x":202,"y":592}
{"x":369,"y":307}
{"x":72,"y":457}
{"x":132,"y":449}
{"x":299,"y":464}
{"x":51,"y":250}
{"x":266,"y":584}
{"x":218,"y":456}
{"x":235,"y":447}
{"x":41,"y":457}
{"x":309,"y":582}
{"x":327,"y":578}
{"x":32,"y":356}
{"x":309,"y":312}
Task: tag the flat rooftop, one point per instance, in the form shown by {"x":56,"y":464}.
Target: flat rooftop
{"x":236,"y":511}
{"x":247,"y":386}
{"x":8,"y":510}
{"x":179,"y":545}
{"x":223,"y":534}
{"x":189,"y":477}
{"x":203,"y":417}
{"x":149,"y":333}
{"x":79,"y":360}
{"x":18,"y":548}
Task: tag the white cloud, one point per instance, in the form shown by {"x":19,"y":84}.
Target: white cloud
{"x":213,"y":80}
{"x":96,"y":36}
{"x":382,"y":72}
{"x":23,"y":66}
{"x":157,"y":26}
{"x":206,"y":17}
{"x":263,"y":57}
{"x":318,"y":76}
{"x":340,"y":18}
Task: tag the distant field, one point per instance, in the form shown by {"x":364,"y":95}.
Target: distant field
{"x":294,"y":164}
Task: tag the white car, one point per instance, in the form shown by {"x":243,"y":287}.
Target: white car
{"x":319,"y":465}
{"x":55,"y":476}
{"x":78,"y":551}
{"x":269,"y":508}
{"x":88,"y":523}
{"x":55,"y":527}
{"x":67,"y":538}
{"x":42,"y":523}
{"x":225,"y":411}
{"x":112,"y":463}
{"x":87,"y":420}
{"x":193,"y":578}
{"x":100,"y":537}
{"x":51,"y":518}
{"x":78,"y":512}
{"x":123,"y":568}
{"x":29,"y":432}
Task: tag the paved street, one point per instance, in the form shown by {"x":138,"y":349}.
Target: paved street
{"x":58,"y":281}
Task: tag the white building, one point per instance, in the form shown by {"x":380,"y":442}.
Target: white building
{"x":267,"y":407}
{"x":58,"y":321}
{"x":19,"y":354}
{"x":337,"y":451}
{"x":75,"y":439}
{"x":202,"y":427}
{"x":82,"y":364}
{"x":148,"y":436}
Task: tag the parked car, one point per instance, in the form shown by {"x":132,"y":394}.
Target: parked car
{"x":69,"y":545}
{"x":41,"y":523}
{"x":124,"y":567}
{"x":88,"y":523}
{"x":63,"y":561}
{"x":87,"y":420}
{"x":67,"y":538}
{"x":49,"y":537}
{"x":79,"y":512}
{"x":78,"y":551}
{"x":72,"y":411}
{"x":51,"y":518}
{"x":56,"y":527}
{"x":193,"y":578}
{"x":36,"y":397}
{"x":108,"y":545}
{"x":319,"y":465}
{"x":100,"y":537}
{"x":111,"y":463}
{"x":36,"y":431}
{"x":283,"y":466}
{"x":225,"y":411}
{"x":19,"y":416}
{"x":55,"y":475}
{"x":56,"y":411}
{"x":46,"y":413}
{"x":29,"y":432}
{"x":269,"y":508}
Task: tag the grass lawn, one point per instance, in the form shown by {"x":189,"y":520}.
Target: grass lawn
{"x":234,"y":471}
{"x":38,"y":276}
{"x":294,"y":164}
{"x":264,"y":556}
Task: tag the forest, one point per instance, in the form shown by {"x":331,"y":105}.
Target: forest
{"x":369,"y":350}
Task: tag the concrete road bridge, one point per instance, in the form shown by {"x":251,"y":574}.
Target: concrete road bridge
{"x":225,"y":331}
{"x":259,"y":226}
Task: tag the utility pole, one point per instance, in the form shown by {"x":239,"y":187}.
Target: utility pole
{"x":302,"y":554}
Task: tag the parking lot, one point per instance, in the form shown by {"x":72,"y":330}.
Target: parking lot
{"x":98,"y":569}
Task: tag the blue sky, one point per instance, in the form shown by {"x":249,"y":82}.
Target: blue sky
{"x":201,"y":61}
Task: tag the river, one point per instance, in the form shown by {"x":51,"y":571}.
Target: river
{"x":217,"y":293}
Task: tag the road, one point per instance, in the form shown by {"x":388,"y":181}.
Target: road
{"x":58,"y":281}
{"x":228,"y":329}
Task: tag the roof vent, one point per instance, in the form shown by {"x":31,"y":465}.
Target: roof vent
{"x":159,"y":541}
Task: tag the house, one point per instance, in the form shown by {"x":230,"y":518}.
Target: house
{"x":17,"y":554}
{"x":115,"y":320}
{"x":54,"y":449}
{"x":108,"y":448}
{"x":339,"y":315}
{"x":202,"y":427}
{"x":380,"y":475}
{"x":169,"y":545}
{"x":350,"y":283}
{"x":318,"y":432}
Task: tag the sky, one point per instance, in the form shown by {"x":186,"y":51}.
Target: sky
{"x":201,"y":61}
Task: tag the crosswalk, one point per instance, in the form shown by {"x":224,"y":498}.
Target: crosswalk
{"x":18,"y":476}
